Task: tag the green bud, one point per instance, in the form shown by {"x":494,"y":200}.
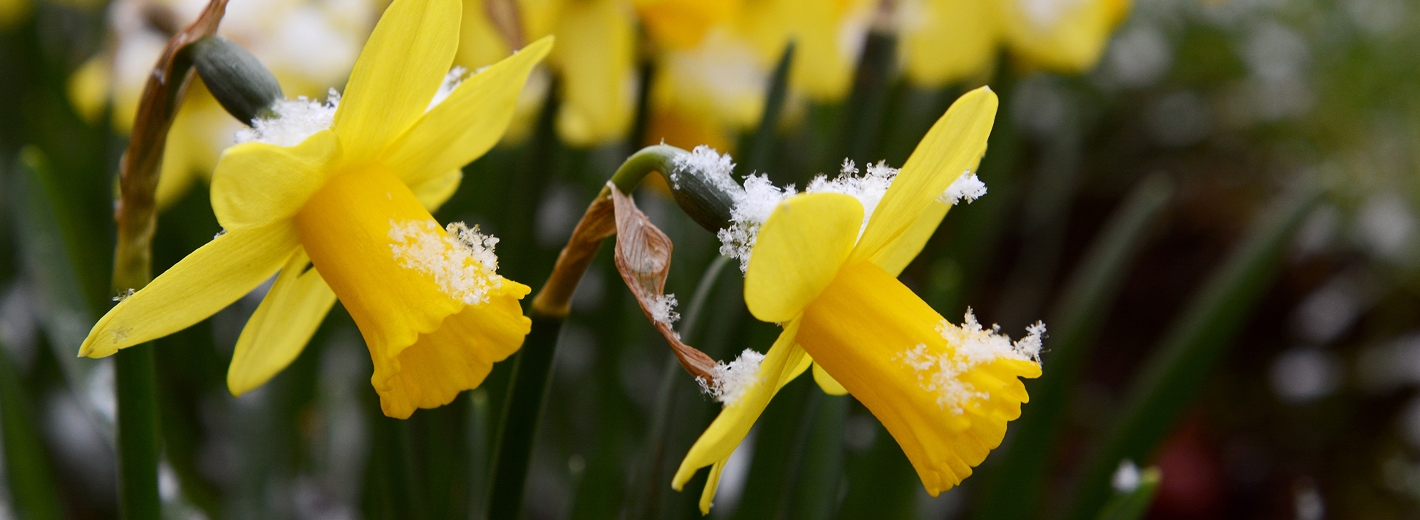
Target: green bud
{"x":239,"y":82}
{"x":700,"y":181}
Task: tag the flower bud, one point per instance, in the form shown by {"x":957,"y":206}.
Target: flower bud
{"x":239,"y":82}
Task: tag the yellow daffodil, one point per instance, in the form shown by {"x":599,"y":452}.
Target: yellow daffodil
{"x":708,"y":89}
{"x":308,"y":45}
{"x":944,"y":41}
{"x":817,"y":266}
{"x":347,"y":187}
{"x":596,"y":61}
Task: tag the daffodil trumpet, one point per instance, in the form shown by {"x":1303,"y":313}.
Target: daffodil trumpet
{"x":336,"y":198}
{"x":824,"y":265}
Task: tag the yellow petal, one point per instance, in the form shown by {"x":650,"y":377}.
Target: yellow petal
{"x":949,"y":40}
{"x":398,"y":72}
{"x":712,"y":483}
{"x":467,"y":123}
{"x":798,"y":252}
{"x":946,"y":403}
{"x":682,"y":23}
{"x":281,"y":326}
{"x":823,"y":65}
{"x":434,"y":191}
{"x":895,"y":257}
{"x":781,"y":364}
{"x":597,"y":64}
{"x":454,"y":358}
{"x":480,"y":43}
{"x":953,"y":146}
{"x":1066,"y":38}
{"x":826,"y":382}
{"x":209,"y":279}
{"x":258,"y":183}
{"x":432,"y":311}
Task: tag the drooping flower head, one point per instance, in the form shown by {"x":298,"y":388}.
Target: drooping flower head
{"x":347,"y":187}
{"x":824,"y":264}
{"x":309,"y":45}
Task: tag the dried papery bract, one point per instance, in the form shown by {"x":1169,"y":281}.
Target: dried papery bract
{"x":135,"y":214}
{"x":134,"y":211}
{"x":643,"y":256}
{"x":598,"y":223}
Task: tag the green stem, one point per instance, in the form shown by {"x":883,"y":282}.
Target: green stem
{"x":1176,"y":370}
{"x":137,"y":432}
{"x":527,"y":395}
{"x":643,"y":503}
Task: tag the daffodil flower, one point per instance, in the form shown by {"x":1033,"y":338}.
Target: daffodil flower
{"x":348,"y":189}
{"x":950,"y":40}
{"x":944,"y":391}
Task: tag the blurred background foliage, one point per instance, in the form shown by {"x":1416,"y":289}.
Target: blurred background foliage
{"x":1217,"y":220}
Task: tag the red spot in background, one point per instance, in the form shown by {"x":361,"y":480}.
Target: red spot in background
{"x":1192,"y":484}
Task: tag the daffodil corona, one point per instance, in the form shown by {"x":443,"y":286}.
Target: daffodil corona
{"x":824,"y":264}
{"x":347,"y":186}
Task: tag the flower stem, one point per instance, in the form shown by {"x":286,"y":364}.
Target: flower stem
{"x":137,"y":432}
{"x":527,"y":394}
{"x":645,"y":501}
{"x":136,"y":216}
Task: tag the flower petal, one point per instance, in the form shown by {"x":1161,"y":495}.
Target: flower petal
{"x":1068,"y":38}
{"x":281,"y":326}
{"x":398,"y":72}
{"x":256,"y":184}
{"x":467,"y":123}
{"x":209,"y":279}
{"x":712,"y":483}
{"x":953,"y":146}
{"x":435,"y":191}
{"x":895,"y":257}
{"x":829,"y":385}
{"x":968,"y":27}
{"x":798,"y":252}
{"x":453,"y":358}
{"x":598,"y":70}
{"x":784,"y":361}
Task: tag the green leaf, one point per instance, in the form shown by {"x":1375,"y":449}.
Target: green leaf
{"x":27,"y":468}
{"x":1013,"y":486}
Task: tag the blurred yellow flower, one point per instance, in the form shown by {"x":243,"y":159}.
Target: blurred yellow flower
{"x":595,"y":63}
{"x":945,"y":392}
{"x":347,"y":186}
{"x":11,"y":11}
{"x":945,"y":41}
{"x":308,"y":45}
{"x":709,"y":90}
